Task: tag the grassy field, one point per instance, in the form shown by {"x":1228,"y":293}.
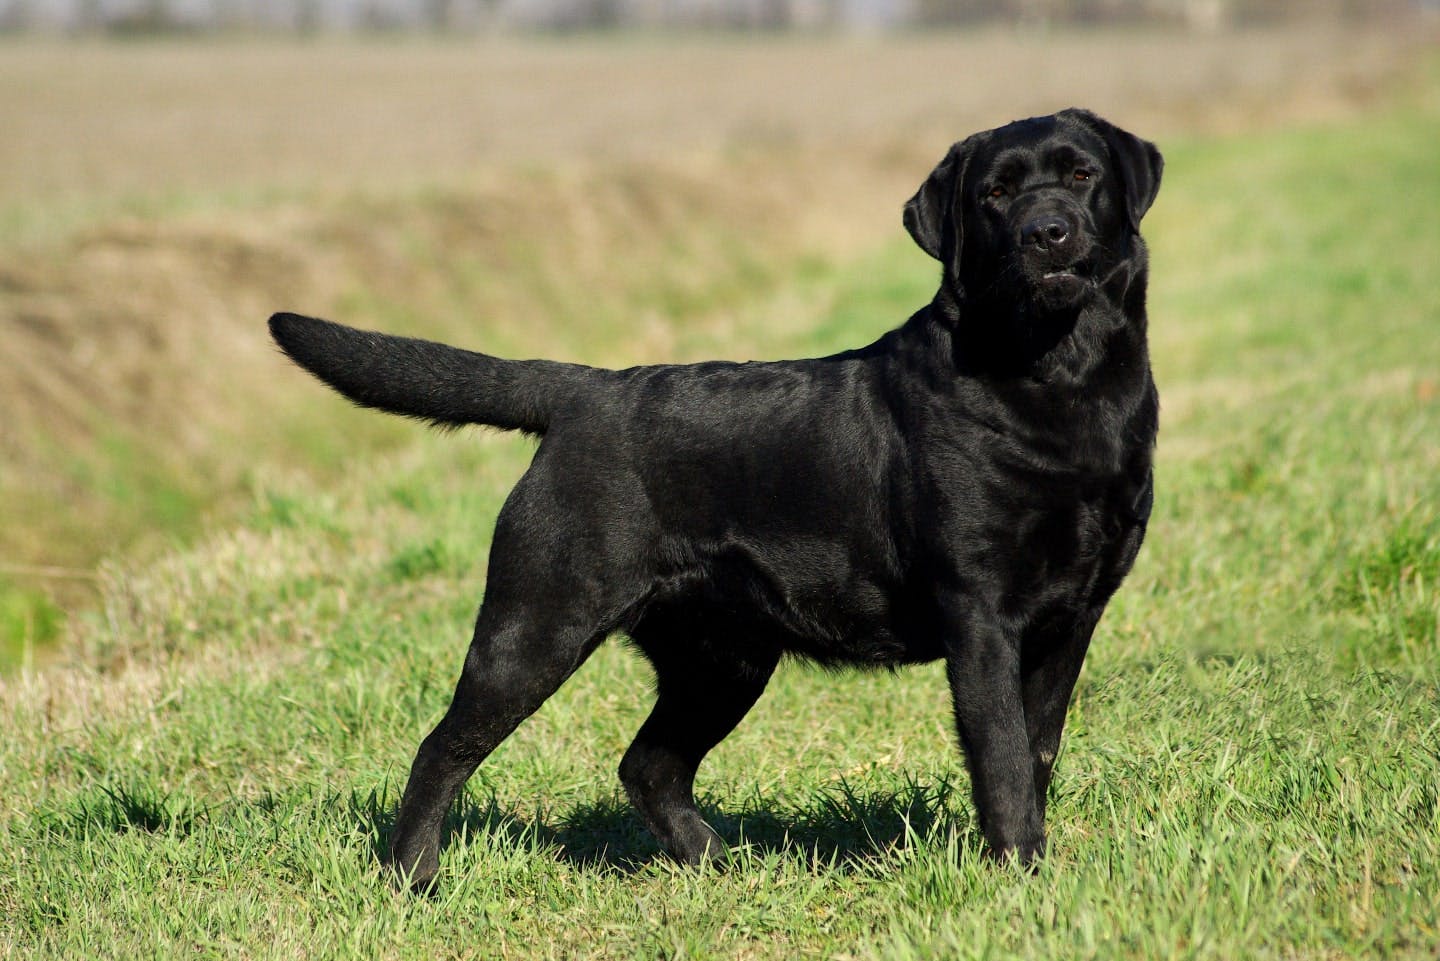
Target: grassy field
{"x":1252,"y":767}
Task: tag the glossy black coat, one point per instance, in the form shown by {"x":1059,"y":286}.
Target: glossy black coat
{"x":972,"y":486}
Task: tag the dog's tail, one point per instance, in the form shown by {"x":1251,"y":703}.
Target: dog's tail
{"x":444,"y":385}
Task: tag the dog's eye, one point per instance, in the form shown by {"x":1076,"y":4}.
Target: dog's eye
{"x":996,"y":192}
{"x":1082,"y":175}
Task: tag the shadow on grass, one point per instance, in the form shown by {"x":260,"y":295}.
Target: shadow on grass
{"x":841,"y":827}
{"x":123,"y":807}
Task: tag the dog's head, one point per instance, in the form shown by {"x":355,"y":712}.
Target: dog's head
{"x":1033,"y":219}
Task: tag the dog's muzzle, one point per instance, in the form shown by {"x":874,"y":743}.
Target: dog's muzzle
{"x":1053,"y":249}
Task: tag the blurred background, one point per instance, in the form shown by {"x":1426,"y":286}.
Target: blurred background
{"x":143,"y":17}
{"x":613,"y":181}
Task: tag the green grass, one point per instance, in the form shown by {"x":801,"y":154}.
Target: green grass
{"x":1252,"y":765}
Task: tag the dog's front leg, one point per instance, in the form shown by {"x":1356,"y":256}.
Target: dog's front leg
{"x":1051,"y":665}
{"x":983,"y":666}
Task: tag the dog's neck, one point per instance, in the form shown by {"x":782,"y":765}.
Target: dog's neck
{"x":1008,"y":343}
{"x":1096,"y":375}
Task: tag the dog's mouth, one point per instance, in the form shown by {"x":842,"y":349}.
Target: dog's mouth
{"x":1067,"y":275}
{"x":1063,"y":287}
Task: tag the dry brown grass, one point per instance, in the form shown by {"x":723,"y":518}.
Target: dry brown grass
{"x":607,"y":200}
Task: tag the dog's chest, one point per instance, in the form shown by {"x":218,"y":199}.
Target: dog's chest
{"x":1066,"y":542}
{"x":1034,"y":515}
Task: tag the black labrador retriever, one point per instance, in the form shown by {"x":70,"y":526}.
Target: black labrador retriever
{"x":972,"y":486}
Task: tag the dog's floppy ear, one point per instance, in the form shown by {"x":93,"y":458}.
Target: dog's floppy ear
{"x":930,"y":214}
{"x":1138,"y":162}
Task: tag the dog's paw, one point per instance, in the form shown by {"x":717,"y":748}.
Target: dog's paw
{"x":1026,"y":854}
{"x":413,"y":875}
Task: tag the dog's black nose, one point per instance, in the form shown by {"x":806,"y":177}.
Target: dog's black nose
{"x":1045,"y":232}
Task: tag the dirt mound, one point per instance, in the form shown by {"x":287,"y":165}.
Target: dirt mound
{"x":143,"y":388}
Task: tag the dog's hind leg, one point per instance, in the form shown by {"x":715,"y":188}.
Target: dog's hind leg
{"x":699,"y":701}
{"x":514,"y":664}
{"x":523,"y":650}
